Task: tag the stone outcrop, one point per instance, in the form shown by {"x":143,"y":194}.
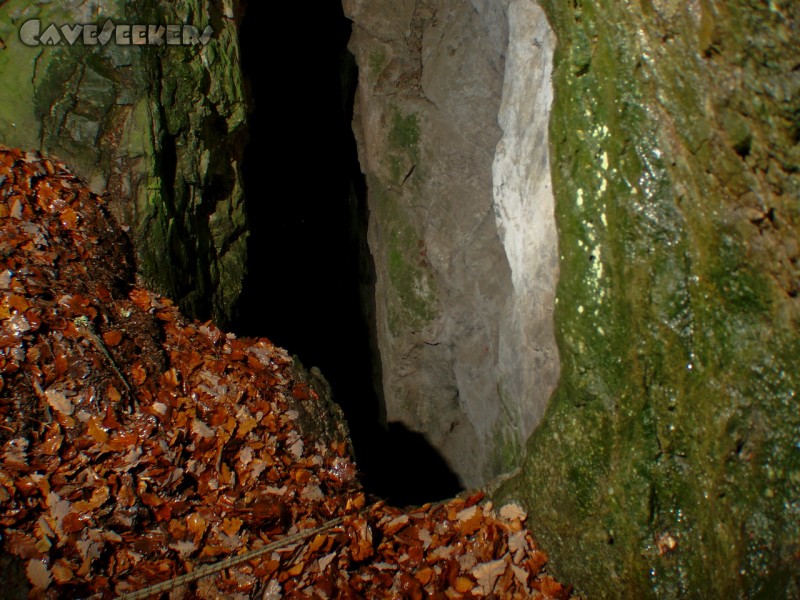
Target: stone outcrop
{"x":671,"y":445}
{"x":451,"y":123}
{"x":161,"y":129}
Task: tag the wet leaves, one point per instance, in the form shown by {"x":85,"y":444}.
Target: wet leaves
{"x":136,"y":446}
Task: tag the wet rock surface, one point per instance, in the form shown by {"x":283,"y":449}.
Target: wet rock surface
{"x":159,"y":129}
{"x":671,"y":445}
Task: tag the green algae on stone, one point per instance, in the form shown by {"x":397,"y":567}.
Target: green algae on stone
{"x":667,"y":463}
{"x":414,"y":294}
{"x":377,"y":59}
{"x":161,"y":129}
{"x":402,"y":146}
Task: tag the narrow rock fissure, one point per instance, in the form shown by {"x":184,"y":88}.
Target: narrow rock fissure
{"x":310,"y":281}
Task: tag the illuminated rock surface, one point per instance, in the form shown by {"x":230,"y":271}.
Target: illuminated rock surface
{"x":451,"y":121}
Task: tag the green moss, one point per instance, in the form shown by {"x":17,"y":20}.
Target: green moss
{"x":137,"y":114}
{"x":404,"y":133}
{"x":19,"y":125}
{"x":675,"y":419}
{"x":377,"y":59}
{"x":508,"y":443}
{"x":412,"y":302}
{"x":508,"y":451}
{"x":402,"y":145}
{"x":396,"y":165}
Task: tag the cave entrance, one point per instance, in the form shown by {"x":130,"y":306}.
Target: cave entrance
{"x":310,"y":274}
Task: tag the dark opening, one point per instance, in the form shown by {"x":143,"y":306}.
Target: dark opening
{"x":310,"y":274}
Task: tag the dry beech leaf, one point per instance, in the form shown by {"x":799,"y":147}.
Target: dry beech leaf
{"x":395,"y":525}
{"x":246,"y":426}
{"x":323,"y":562}
{"x":273,"y":591}
{"x":467,"y":514}
{"x":522,"y":576}
{"x":112,"y":338}
{"x":425,"y":575}
{"x":361,"y":536}
{"x":61,"y":571}
{"x":138,"y":374}
{"x":317,"y":542}
{"x":487,"y":574}
{"x":201,"y":429}
{"x":513,"y":512}
{"x":113,"y":394}
{"x":15,"y":453}
{"x":296,"y":449}
{"x":463,"y":584}
{"x":171,"y":377}
{"x":518,"y":545}
{"x":232,"y":526}
{"x":99,"y":497}
{"x":95,"y":430}
{"x":59,"y":401}
{"x":22,"y":545}
{"x":470,"y":520}
{"x":550,"y":587}
{"x":197,"y":525}
{"x":38,"y":574}
{"x":184,"y":548}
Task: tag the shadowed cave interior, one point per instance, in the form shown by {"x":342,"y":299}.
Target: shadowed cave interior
{"x":310,"y":274}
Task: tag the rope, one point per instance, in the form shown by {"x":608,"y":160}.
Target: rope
{"x":210,"y":569}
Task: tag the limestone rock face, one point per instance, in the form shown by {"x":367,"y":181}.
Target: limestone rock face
{"x":667,"y":465}
{"x":451,"y":124}
{"x":159,"y":128}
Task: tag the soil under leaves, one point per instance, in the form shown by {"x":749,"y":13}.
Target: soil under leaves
{"x":136,"y":446}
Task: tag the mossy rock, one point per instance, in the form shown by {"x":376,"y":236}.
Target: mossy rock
{"x":668,"y":463}
{"x":159,"y":129}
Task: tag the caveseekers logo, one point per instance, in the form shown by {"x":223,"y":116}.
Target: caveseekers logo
{"x":31,"y":34}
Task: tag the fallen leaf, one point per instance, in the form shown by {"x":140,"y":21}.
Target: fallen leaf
{"x":323,"y":562}
{"x":38,"y":574}
{"x":232,"y":526}
{"x":58,"y":401}
{"x":138,"y":374}
{"x":112,"y":338}
{"x":21,"y":544}
{"x":99,"y":497}
{"x":463,"y":584}
{"x":95,"y":430}
{"x":513,"y":512}
{"x":197,"y":525}
{"x":184,"y":548}
{"x":395,"y":524}
{"x":62,"y":572}
{"x":273,"y":591}
{"x":15,"y":453}
{"x":470,"y":520}
{"x":201,"y":429}
{"x":487,"y":574}
{"x":317,"y":542}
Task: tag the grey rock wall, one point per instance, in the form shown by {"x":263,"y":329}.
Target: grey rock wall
{"x":451,"y":123}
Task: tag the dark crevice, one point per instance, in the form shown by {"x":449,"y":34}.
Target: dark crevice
{"x":310,"y":281}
